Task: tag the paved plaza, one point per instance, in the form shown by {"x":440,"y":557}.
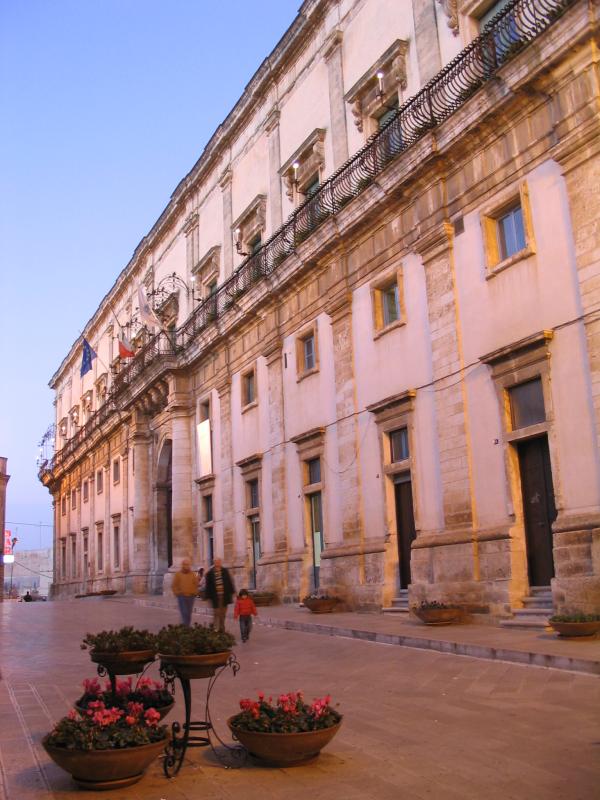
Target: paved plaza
{"x":418,"y":724}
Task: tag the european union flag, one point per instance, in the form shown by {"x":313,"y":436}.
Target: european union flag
{"x":87,"y":357}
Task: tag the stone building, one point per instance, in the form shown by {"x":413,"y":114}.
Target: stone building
{"x":378,"y":366}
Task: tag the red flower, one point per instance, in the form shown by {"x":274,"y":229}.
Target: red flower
{"x":152,"y":717}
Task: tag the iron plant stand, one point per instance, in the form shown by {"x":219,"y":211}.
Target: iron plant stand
{"x":197,"y":733}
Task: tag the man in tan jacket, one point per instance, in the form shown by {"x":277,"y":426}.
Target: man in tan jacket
{"x":185,"y":589}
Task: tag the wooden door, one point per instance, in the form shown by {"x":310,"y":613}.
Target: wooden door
{"x":538,"y":508}
{"x":405,"y":524}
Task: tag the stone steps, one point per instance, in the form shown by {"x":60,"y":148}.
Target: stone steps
{"x":537,"y":607}
{"x":399,"y":604}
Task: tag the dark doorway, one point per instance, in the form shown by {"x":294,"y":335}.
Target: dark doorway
{"x":164,"y":511}
{"x":405,"y":523}
{"x":538,"y":508}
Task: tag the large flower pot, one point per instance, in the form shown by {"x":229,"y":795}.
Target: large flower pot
{"x":195,"y":666}
{"x":438,"y":616}
{"x":284,"y":749}
{"x":263,"y":598}
{"x":128,"y":662}
{"x":321,"y":605}
{"x":162,"y":710}
{"x":569,"y":629}
{"x":106,"y":769}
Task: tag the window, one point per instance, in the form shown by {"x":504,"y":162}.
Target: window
{"x":313,"y":468}
{"x":399,"y":445}
{"x":527,"y":404}
{"x":511,"y":232}
{"x":85,"y":540}
{"x":204,"y":439}
{"x":312,"y":186}
{"x":85,"y":490}
{"x":255,"y":244}
{"x":73,"y":556}
{"x":116,"y":546}
{"x":63,"y":505}
{"x":308,"y":346}
{"x":99,"y":481}
{"x":254,"y":523}
{"x":387,"y":301}
{"x":508,"y":232}
{"x":100,"y":548}
{"x":73,"y":498}
{"x":63,"y":558}
{"x":249,"y":388}
{"x":253,"y":498}
{"x":116,"y":470}
{"x":505,"y":36}
{"x":388,"y":113}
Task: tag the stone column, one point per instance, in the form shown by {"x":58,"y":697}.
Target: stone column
{"x":337,"y":105}
{"x":450,"y":396}
{"x":276,"y":444}
{"x":181,"y":416}
{"x":139,"y":558}
{"x":4,"y":478}
{"x":426,"y":39}
{"x":225,"y":184}
{"x":226,"y":470}
{"x":125,"y":508}
{"x":272,"y":129}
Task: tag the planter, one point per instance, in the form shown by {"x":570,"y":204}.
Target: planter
{"x":263,"y":598}
{"x":321,"y":606}
{"x":284,"y":749}
{"x":438,"y":616}
{"x":106,"y":769}
{"x":128,"y":662}
{"x":195,"y":666}
{"x":573,"y":629}
{"x":162,"y":710}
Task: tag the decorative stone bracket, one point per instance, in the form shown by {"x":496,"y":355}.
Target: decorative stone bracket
{"x":369,"y":94}
{"x":310,"y":160}
{"x":450,"y":8}
{"x":101,"y":385}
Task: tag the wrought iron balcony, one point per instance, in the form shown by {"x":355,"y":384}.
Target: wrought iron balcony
{"x":508,"y":33}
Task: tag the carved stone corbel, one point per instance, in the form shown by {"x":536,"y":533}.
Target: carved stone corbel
{"x":450,"y":8}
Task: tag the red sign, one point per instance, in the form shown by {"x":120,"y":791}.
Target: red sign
{"x":8,"y":548}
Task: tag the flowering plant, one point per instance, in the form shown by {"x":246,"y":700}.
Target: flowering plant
{"x":184,"y":640}
{"x":289,"y":714}
{"x":126,"y":639}
{"x":149,"y":693}
{"x":103,"y":728}
{"x":310,"y":597}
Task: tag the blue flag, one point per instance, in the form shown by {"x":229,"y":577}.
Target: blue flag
{"x":87,"y":357}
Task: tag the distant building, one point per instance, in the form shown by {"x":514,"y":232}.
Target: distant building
{"x":32,"y":571}
{"x":377,"y":374}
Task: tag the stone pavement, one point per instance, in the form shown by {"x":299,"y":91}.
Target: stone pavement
{"x":418,"y":723}
{"x":539,"y":648}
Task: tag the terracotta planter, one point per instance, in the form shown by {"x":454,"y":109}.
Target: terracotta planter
{"x":284,"y":749}
{"x":106,"y":769}
{"x":162,"y":710}
{"x":196,"y":666}
{"x":572,"y":629}
{"x":263,"y":598}
{"x":127,"y":662}
{"x":438,"y":616}
{"x":325,"y":606}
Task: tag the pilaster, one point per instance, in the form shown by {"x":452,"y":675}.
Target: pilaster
{"x":226,"y":471}
{"x":272,"y":129}
{"x":180,"y":411}
{"x":337,"y":105}
{"x":274,"y":357}
{"x":426,"y":39}
{"x":140,"y":556}
{"x":225,"y":184}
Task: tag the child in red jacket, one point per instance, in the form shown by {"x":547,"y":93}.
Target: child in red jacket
{"x":244,"y":611}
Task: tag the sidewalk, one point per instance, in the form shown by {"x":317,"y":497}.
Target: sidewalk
{"x":536,"y":648}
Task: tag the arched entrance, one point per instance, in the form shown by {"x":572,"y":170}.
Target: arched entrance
{"x":164,"y":521}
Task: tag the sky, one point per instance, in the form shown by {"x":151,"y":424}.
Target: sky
{"x":104,"y":106}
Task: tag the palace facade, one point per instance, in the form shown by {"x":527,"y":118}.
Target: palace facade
{"x":377,"y":371}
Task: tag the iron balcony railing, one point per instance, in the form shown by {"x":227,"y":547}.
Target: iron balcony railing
{"x":505,"y":35}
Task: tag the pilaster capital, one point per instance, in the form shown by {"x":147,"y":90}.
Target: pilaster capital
{"x":272,"y":350}
{"x":223,"y":386}
{"x":272,"y":121}
{"x":332,"y":43}
{"x":436,"y":241}
{"x":225,"y":179}
{"x":339,"y":306}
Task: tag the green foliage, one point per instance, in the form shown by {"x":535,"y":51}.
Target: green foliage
{"x":575,"y":618}
{"x":290,"y":714}
{"x":126,"y":639}
{"x":109,"y":729}
{"x":181,"y":640}
{"x":431,"y":605}
{"x":310,"y":597}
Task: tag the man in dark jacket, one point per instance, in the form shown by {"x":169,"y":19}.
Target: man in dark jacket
{"x":219,"y":590}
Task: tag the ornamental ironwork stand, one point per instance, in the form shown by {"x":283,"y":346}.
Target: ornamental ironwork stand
{"x":197,"y":733}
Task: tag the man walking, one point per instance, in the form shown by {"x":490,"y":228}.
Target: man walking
{"x":219,"y":590}
{"x":185,"y":589}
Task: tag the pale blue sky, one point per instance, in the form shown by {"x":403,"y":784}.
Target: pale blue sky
{"x":104,"y":106}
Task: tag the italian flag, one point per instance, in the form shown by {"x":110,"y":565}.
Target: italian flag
{"x":125,"y":347}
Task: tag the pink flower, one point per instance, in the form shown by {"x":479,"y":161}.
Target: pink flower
{"x":152,"y":717}
{"x":92,"y":686}
{"x":130,"y":720}
{"x":72,"y":714}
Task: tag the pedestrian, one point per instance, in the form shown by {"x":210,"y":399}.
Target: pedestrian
{"x":219,"y":590}
{"x":28,"y":598}
{"x":185,"y":589}
{"x":244,"y":611}
{"x":201,"y":584}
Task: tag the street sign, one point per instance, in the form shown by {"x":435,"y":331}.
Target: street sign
{"x":8,"y":556}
